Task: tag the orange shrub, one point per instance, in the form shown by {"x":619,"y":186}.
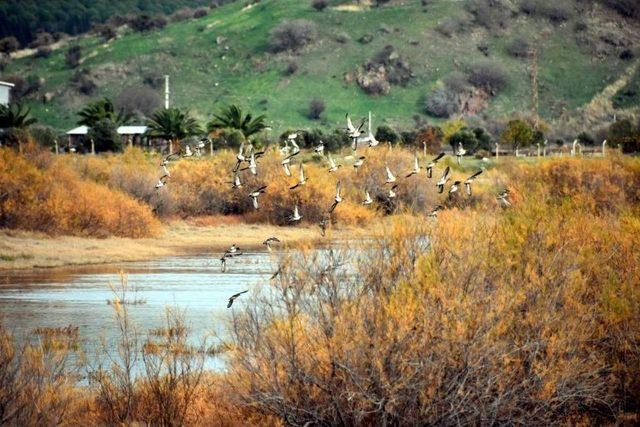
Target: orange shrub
{"x":55,"y":200}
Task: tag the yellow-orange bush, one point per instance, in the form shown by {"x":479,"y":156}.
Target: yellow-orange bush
{"x":54,"y":199}
{"x":529,"y":315}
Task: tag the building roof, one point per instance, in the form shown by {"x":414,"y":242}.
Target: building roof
{"x":80,"y":130}
{"x":6,"y":84}
{"x":132,"y":130}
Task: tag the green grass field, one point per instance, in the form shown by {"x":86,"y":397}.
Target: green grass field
{"x":250,"y":76}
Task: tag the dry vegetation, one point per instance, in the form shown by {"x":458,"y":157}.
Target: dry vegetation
{"x":528,"y":315}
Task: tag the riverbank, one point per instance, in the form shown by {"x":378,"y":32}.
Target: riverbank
{"x":23,"y":250}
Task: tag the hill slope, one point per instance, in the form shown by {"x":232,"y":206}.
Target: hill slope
{"x":224,"y":58}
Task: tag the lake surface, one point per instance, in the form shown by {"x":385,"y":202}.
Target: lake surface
{"x":78,"y":296}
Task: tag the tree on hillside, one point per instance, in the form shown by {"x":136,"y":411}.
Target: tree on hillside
{"x":101,"y":110}
{"x":232,"y":117}
{"x":518,"y":133}
{"x":172,"y":125}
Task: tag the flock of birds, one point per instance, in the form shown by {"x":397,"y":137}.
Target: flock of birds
{"x":247,"y":160}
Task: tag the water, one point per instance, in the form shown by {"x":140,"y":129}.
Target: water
{"x":78,"y":296}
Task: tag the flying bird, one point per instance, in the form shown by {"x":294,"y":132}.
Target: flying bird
{"x":296,"y":215}
{"x":390,"y":176}
{"x":234,"y":297}
{"x":161,"y":183}
{"x":253,"y":166}
{"x":392,"y":192}
{"x":166,"y":171}
{"x":454,"y":187}
{"x":359,"y":162}
{"x":236,"y":183}
{"x":332,"y":164}
{"x":432,"y":164}
{"x":239,"y":157}
{"x":270,"y":241}
{"x":337,"y":199}
{"x":255,"y":194}
{"x":434,"y":212}
{"x":468,"y":181}
{"x":187,"y":151}
{"x":233,"y":250}
{"x":323,"y":225}
{"x":442,"y":181}
{"x":503,"y":198}
{"x":303,"y":179}
{"x":416,"y":166}
{"x":319,"y":148}
{"x":460,"y":152}
{"x":367,"y":198}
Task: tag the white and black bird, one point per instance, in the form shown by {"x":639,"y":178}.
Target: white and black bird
{"x":443,"y":180}
{"x":323,"y":225}
{"x":187,"y":151}
{"x":416,"y":166}
{"x":359,"y":162}
{"x":253,"y":166}
{"x":338,"y":198}
{"x":285,"y":165}
{"x":354,"y":132}
{"x":503,"y":197}
{"x":296,"y":215}
{"x":468,"y":181}
{"x":392,"y":191}
{"x":460,"y":151}
{"x":319,"y":148}
{"x":223,"y":263}
{"x":165,"y":170}
{"x":233,"y":250}
{"x":234,"y":297}
{"x":239,"y":157}
{"x":367,"y":198}
{"x":161,"y":182}
{"x":255,"y":194}
{"x":302,"y":180}
{"x":333,"y":166}
{"x":434,"y":212}
{"x":454,"y":187}
{"x":270,"y":241}
{"x":391,"y":178}
{"x":432,"y":164}
{"x":236,"y":183}
{"x":371,"y":138}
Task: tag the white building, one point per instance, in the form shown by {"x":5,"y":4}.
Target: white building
{"x":5,"y":92}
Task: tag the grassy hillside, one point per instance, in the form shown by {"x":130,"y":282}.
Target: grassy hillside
{"x":573,"y":68}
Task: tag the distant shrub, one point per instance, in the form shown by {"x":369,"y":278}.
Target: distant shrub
{"x":182,"y":14}
{"x":553,"y":10}
{"x":319,"y":5}
{"x":141,"y":100}
{"x":43,"y":52}
{"x":9,"y":44}
{"x":292,"y":35}
{"x":626,"y":55}
{"x":44,"y":136}
{"x":518,"y":47}
{"x":73,"y":56}
{"x":488,"y":13}
{"x":106,"y":31}
{"x":441,"y":102}
{"x":42,"y":39}
{"x":451,"y":25}
{"x":457,"y":82}
{"x":316,"y":108}
{"x":291,"y":68}
{"x":83,"y":82}
{"x":628,"y":95}
{"x":343,"y":38}
{"x":366,"y":38}
{"x":144,"y":22}
{"x":386,"y":133}
{"x":629,"y":8}
{"x":105,"y":136}
{"x":200,"y":12}
{"x":24,"y":86}
{"x":488,"y":75}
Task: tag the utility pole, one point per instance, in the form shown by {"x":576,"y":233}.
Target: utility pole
{"x":166,"y":92}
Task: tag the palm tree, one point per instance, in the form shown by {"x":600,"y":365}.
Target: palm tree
{"x":101,"y":110}
{"x":15,"y":116}
{"x":172,"y":125}
{"x":232,"y":117}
